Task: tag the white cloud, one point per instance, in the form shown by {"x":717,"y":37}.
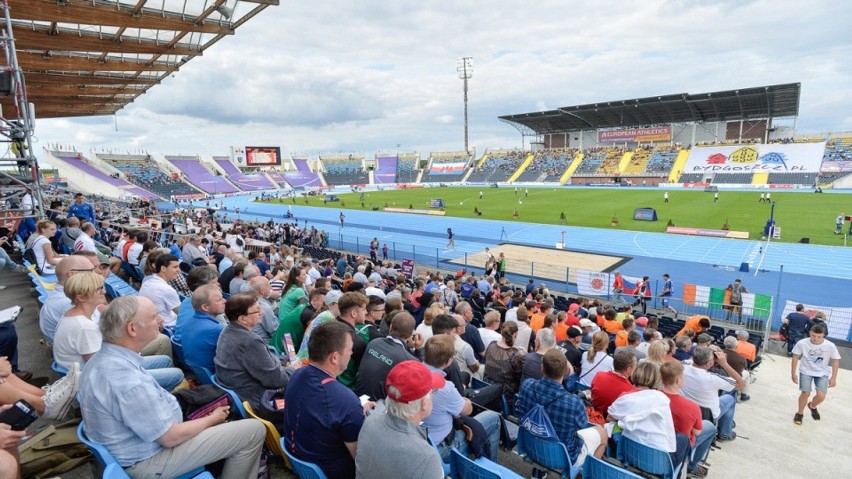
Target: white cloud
{"x":366,"y":76}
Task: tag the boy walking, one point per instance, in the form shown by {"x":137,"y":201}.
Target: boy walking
{"x":815,"y":354}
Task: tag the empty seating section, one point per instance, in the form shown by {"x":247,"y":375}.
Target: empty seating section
{"x":200,"y":176}
{"x":446,"y":167}
{"x":662,"y":160}
{"x":638,"y":161}
{"x":831,"y":177}
{"x":591,"y":161}
{"x":83,"y":165}
{"x":692,"y":177}
{"x":141,"y":170}
{"x":609,"y":165}
{"x":548,"y":165}
{"x":792,"y":178}
{"x":245,"y":182}
{"x":279,"y":180}
{"x":303,"y":176}
{"x":732,"y":178}
{"x":499,"y":166}
{"x":407,"y":167}
{"x":385,"y":171}
{"x":344,"y":169}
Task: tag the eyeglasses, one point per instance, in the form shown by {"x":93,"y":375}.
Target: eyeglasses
{"x":101,"y":289}
{"x":90,"y":270}
{"x":377,"y":310}
{"x":249,"y":313}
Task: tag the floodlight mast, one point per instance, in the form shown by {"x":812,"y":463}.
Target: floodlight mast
{"x":464,"y":67}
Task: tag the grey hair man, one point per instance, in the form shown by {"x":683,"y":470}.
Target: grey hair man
{"x":260,"y":287}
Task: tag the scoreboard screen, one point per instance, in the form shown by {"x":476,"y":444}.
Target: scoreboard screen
{"x":263,"y":155}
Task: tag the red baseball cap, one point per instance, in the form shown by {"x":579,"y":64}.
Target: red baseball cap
{"x":411,"y":381}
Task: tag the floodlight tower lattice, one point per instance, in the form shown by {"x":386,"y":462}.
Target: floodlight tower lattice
{"x":464,"y":67}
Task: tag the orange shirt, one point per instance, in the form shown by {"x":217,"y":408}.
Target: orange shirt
{"x":537,"y":321}
{"x":746,"y":350}
{"x":561,"y":331}
{"x":621,"y":338}
{"x":692,"y":323}
{"x":612,"y":327}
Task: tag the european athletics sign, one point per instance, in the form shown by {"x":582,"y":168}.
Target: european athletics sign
{"x":781,"y":158}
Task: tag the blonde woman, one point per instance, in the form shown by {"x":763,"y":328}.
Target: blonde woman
{"x":78,"y":338}
{"x":596,"y":360}
{"x":425,"y":327}
{"x":46,"y":259}
{"x":657,"y":352}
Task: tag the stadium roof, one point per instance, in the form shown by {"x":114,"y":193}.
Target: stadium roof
{"x":93,"y":57}
{"x":733,"y":105}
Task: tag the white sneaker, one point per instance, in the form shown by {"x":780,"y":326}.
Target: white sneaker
{"x":59,"y":395}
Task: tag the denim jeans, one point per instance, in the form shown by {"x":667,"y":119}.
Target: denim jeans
{"x":160,"y":368}
{"x":5,"y":261}
{"x":490,"y":420}
{"x":702,"y":445}
{"x":727,"y":407}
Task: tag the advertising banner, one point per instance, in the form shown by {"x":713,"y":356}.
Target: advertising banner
{"x":447,"y":169}
{"x":635,"y":135}
{"x":781,"y":158}
{"x":838,"y":319}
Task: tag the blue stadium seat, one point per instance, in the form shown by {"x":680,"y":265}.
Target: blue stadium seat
{"x":203,"y":374}
{"x":481,"y":468}
{"x":236,"y":402}
{"x":177,"y":352}
{"x":58,"y":369}
{"x":548,"y":453}
{"x":305,"y":470}
{"x":648,"y":459}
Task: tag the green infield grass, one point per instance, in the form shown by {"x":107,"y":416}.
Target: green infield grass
{"x":797,"y":214}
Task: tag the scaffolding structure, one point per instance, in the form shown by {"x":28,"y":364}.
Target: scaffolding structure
{"x":19,"y":173}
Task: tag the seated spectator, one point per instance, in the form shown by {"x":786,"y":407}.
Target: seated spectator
{"x":621,"y":336}
{"x":201,"y":332}
{"x":609,"y":385}
{"x":488,"y":333}
{"x":545,"y":340}
{"x":596,"y":360}
{"x":370,"y":330}
{"x":425,"y":326}
{"x":57,"y":303}
{"x":384,"y":353}
{"x":646,"y":417}
{"x":687,"y":418}
{"x":739,"y":364}
{"x":141,"y":424}
{"x":633,"y":341}
{"x":684,"y":348}
{"x":571,"y":347}
{"x":565,"y":410}
{"x":703,"y":387}
{"x":526,"y":336}
{"x":611,"y":324}
{"x":314,"y":306}
{"x":471,"y":334}
{"x":448,"y":402}
{"x":46,"y":259}
{"x":244,"y":362}
{"x":745,"y":348}
{"x":323,"y":417}
{"x":52,"y":402}
{"x":157,"y":289}
{"x":503,"y":361}
{"x":195,"y":279}
{"x":395,"y":444}
{"x":353,"y":310}
{"x":293,"y":293}
{"x":259,"y":288}
{"x":465,"y":357}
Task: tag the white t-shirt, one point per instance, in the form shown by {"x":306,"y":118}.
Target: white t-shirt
{"x":522,"y":342}
{"x":512,"y":314}
{"x":133,"y":253}
{"x":424,"y":330}
{"x":589,"y":369}
{"x":41,"y":259}
{"x":373,"y":291}
{"x":703,"y":388}
{"x":164,"y":297}
{"x":489,"y":336}
{"x":84,"y":242}
{"x":464,"y":356}
{"x":816,"y":358}
{"x":646,"y":418}
{"x":75,"y":337}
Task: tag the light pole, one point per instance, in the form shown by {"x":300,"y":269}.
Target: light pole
{"x":464,"y":67}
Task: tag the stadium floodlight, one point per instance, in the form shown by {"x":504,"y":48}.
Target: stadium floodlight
{"x":464,"y":67}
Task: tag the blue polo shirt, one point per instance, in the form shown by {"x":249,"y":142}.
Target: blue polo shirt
{"x":200,"y":335}
{"x":321,"y":415}
{"x":84,"y":211}
{"x":185,"y":312}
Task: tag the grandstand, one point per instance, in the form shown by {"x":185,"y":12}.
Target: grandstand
{"x":245,"y":182}
{"x":200,"y":176}
{"x":609,"y":165}
{"x":407,"y":167}
{"x":548,"y":165}
{"x":792,"y":178}
{"x":661,"y":161}
{"x":691,"y":178}
{"x":346,"y":169}
{"x":142,"y":171}
{"x":385,"y":170}
{"x":638,"y":161}
{"x":733,"y":178}
{"x":75,"y":165}
{"x":446,"y":167}
{"x":276,"y":176}
{"x":498,"y":166}
{"x":592,"y":161}
{"x":303,"y":176}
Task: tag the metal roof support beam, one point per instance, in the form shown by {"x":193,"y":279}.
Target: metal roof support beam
{"x":41,"y":38}
{"x":35,"y":61}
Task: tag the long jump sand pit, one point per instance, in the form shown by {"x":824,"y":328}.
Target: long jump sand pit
{"x":545,"y":263}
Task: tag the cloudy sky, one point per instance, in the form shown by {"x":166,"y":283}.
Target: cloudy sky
{"x":369,"y":75}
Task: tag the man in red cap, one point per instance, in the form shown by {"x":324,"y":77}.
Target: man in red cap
{"x":394,"y":444}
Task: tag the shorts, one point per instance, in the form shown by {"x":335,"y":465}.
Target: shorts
{"x":806,"y":380}
{"x":665,"y":302}
{"x":591,"y":441}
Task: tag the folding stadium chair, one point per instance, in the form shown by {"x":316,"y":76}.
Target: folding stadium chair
{"x":303,"y":469}
{"x":177,"y":352}
{"x":653,"y":461}
{"x":547,"y":453}
{"x":236,"y":402}
{"x":273,"y":438}
{"x":114,"y":471}
{"x":595,"y":468}
{"x":481,"y":468}
{"x":203,"y":374}
{"x":106,"y":459}
{"x":62,"y":372}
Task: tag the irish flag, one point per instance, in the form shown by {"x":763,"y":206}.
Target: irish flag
{"x":756,"y":305}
